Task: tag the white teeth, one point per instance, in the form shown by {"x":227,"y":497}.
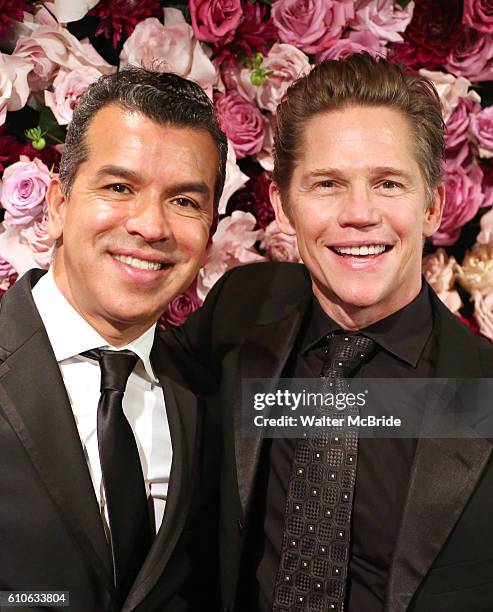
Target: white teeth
{"x":374,"y":249}
{"x":142,"y":264}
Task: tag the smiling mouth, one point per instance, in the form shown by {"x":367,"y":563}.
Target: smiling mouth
{"x":366,"y":250}
{"x":140,"y":264}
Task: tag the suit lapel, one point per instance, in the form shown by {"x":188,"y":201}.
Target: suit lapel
{"x":34,"y":400}
{"x":263,"y":355}
{"x":445,"y":473}
{"x":181,"y":409}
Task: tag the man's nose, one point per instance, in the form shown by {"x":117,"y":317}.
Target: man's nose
{"x":359,"y":208}
{"x":149,"y":217}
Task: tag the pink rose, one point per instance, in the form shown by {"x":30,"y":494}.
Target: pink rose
{"x":180,"y":308}
{"x":355,"y":42}
{"x":68,"y":87}
{"x":282,"y":66}
{"x":478,"y":14}
{"x":482,"y":131}
{"x":16,"y":251}
{"x":449,"y":88}
{"x":67,"y":11}
{"x":215,"y":20}
{"x":265,"y":155}
{"x":279,"y":246}
{"x":43,"y":70}
{"x":485,"y":235}
{"x":6,"y":269}
{"x":60,"y":46}
{"x":7,"y":275}
{"x":23,"y":192}
{"x":242,"y":122}
{"x":14,"y":89}
{"x":232,"y":245}
{"x":483,"y":313}
{"x":457,"y":129}
{"x":311,"y":25}
{"x":235,"y":179}
{"x":383,"y":18}
{"x":440,"y":271}
{"x":36,"y":237}
{"x":172,"y":44}
{"x":463,"y":200}
{"x":473,"y":56}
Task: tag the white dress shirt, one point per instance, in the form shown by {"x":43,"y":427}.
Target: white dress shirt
{"x":143,"y":401}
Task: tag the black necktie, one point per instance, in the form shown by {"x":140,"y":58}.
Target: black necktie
{"x":315,"y":548}
{"x":123,"y":481}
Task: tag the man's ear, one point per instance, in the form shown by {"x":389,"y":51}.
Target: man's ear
{"x":434,"y":212}
{"x":283,"y":220}
{"x":57,"y":204}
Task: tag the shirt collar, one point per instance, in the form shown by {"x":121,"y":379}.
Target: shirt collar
{"x":70,"y":334}
{"x":403,"y":333}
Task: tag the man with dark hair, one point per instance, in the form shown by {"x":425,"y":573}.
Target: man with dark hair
{"x":101,"y":477}
{"x":330,"y":523}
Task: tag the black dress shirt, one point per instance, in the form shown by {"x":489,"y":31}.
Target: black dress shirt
{"x":406,"y":348}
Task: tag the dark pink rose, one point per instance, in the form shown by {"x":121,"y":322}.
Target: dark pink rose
{"x":472,"y":57}
{"x":242,"y":122}
{"x":478,"y":14}
{"x":24,"y":188}
{"x":181,"y":308}
{"x":256,"y":32}
{"x":488,"y":185}
{"x":311,"y":25}
{"x":482,"y":131}
{"x":254,"y":198}
{"x":457,"y":130}
{"x":215,"y":20}
{"x":463,"y":200}
{"x":434,"y":30}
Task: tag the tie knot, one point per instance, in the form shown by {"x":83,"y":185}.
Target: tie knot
{"x":346,"y":351}
{"x":116,"y":367}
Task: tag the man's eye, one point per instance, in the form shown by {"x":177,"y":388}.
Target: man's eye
{"x":118,"y":188}
{"x":390,"y":185}
{"x":185,"y":202}
{"x":326,"y":184}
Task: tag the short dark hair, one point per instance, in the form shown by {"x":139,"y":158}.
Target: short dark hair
{"x":164,"y":97}
{"x":360,"y":80}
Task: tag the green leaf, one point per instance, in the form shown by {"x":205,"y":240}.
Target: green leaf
{"x":402,"y":3}
{"x":54,"y":133}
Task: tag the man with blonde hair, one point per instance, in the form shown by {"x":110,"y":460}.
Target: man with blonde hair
{"x":333,"y":523}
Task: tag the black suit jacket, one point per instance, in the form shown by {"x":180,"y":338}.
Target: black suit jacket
{"x":443,"y":560}
{"x":51,"y":534}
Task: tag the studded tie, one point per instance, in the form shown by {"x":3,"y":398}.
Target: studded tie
{"x":315,"y":548}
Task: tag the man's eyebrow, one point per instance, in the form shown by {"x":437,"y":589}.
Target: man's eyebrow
{"x":376,"y":171}
{"x":118,"y":172}
{"x":199,"y":187}
{"x":390,"y":170}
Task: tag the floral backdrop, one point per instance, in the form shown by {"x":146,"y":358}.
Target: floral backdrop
{"x":245,"y":53}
